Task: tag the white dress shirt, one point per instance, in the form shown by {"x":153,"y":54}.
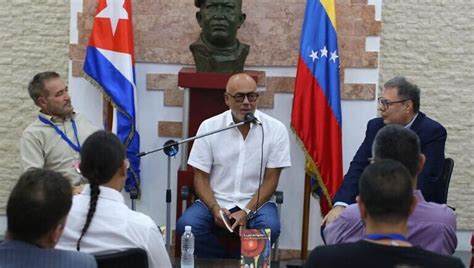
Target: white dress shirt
{"x":114,"y":227}
{"x":233,"y":164}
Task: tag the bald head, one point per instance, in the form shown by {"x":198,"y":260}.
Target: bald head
{"x":241,"y":95}
{"x":241,"y":81}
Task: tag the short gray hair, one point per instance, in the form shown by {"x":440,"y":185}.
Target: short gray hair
{"x":406,"y":90}
{"x":36,"y":87}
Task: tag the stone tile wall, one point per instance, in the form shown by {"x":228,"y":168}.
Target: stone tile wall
{"x":431,"y":43}
{"x":34,"y":37}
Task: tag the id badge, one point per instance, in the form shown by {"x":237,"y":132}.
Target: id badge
{"x":75,"y":165}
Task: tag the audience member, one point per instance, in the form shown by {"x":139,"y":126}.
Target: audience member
{"x":385,"y":201}
{"x":399,"y":104}
{"x":431,"y":226}
{"x":99,"y":221}
{"x":54,"y":139}
{"x":228,"y":169}
{"x":36,"y":214}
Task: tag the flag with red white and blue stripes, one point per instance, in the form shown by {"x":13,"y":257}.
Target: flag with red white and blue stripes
{"x":316,"y":114}
{"x":110,"y":62}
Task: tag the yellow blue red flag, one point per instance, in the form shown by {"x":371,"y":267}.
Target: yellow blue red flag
{"x":316,"y":114}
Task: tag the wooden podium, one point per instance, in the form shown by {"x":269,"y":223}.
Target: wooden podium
{"x":203,"y":98}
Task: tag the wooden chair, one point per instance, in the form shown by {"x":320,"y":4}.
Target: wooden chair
{"x":135,"y":257}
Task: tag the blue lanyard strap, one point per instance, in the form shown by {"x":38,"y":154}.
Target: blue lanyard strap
{"x":76,"y":147}
{"x":386,"y":236}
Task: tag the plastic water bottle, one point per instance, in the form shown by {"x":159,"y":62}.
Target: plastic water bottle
{"x":187,"y":248}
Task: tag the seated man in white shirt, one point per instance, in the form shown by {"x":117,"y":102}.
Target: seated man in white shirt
{"x":236,"y":171}
{"x":99,"y":221}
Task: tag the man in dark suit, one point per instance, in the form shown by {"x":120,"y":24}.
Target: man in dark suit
{"x":36,"y":214}
{"x":399,"y":104}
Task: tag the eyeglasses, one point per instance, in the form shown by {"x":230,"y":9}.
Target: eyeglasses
{"x":386,"y":104}
{"x":240,"y":97}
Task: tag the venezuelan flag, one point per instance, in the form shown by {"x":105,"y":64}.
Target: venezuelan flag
{"x":316,"y":114}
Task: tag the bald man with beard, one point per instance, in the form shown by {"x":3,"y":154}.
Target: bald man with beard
{"x":232,"y":175}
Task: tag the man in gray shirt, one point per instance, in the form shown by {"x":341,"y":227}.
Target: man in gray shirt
{"x":54,"y":139}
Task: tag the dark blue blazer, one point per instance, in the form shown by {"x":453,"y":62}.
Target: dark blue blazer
{"x":432,"y":140}
{"x":18,"y":254}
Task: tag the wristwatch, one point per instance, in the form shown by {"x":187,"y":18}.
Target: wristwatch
{"x":249,"y":213}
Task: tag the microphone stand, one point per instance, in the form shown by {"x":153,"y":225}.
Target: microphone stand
{"x":171,"y":148}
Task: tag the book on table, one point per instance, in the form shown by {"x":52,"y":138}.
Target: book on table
{"x":255,"y":248}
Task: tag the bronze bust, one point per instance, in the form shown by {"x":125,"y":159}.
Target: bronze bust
{"x":217,"y":48}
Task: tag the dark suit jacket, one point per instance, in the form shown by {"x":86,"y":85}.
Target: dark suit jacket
{"x":18,"y":254}
{"x":432,"y":140}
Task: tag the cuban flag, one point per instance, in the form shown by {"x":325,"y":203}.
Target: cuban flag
{"x":316,"y":114}
{"x":110,"y":62}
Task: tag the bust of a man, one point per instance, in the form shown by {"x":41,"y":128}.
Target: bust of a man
{"x":217,"y":49}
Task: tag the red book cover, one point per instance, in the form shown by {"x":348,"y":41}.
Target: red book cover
{"x":255,"y":248}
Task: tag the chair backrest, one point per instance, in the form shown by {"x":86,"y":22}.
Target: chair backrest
{"x":135,"y":257}
{"x":472,"y":250}
{"x":446,"y":177}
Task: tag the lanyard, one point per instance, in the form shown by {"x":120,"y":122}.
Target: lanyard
{"x":75,"y":147}
{"x":386,"y":236}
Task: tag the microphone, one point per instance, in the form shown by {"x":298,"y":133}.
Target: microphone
{"x":250,"y":118}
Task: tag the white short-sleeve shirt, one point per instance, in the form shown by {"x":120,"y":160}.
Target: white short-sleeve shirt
{"x":233,"y":164}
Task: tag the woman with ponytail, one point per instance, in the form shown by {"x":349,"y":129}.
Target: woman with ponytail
{"x":99,"y":221}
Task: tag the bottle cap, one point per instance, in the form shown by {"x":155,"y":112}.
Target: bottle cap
{"x":187,"y":228}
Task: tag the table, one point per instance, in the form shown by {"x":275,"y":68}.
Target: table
{"x":223,"y":263}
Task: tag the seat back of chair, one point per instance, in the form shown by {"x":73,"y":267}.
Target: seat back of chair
{"x":446,"y":178}
{"x":472,"y":250}
{"x":135,"y":257}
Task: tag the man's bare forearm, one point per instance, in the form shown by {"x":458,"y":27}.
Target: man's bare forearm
{"x":203,"y":189}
